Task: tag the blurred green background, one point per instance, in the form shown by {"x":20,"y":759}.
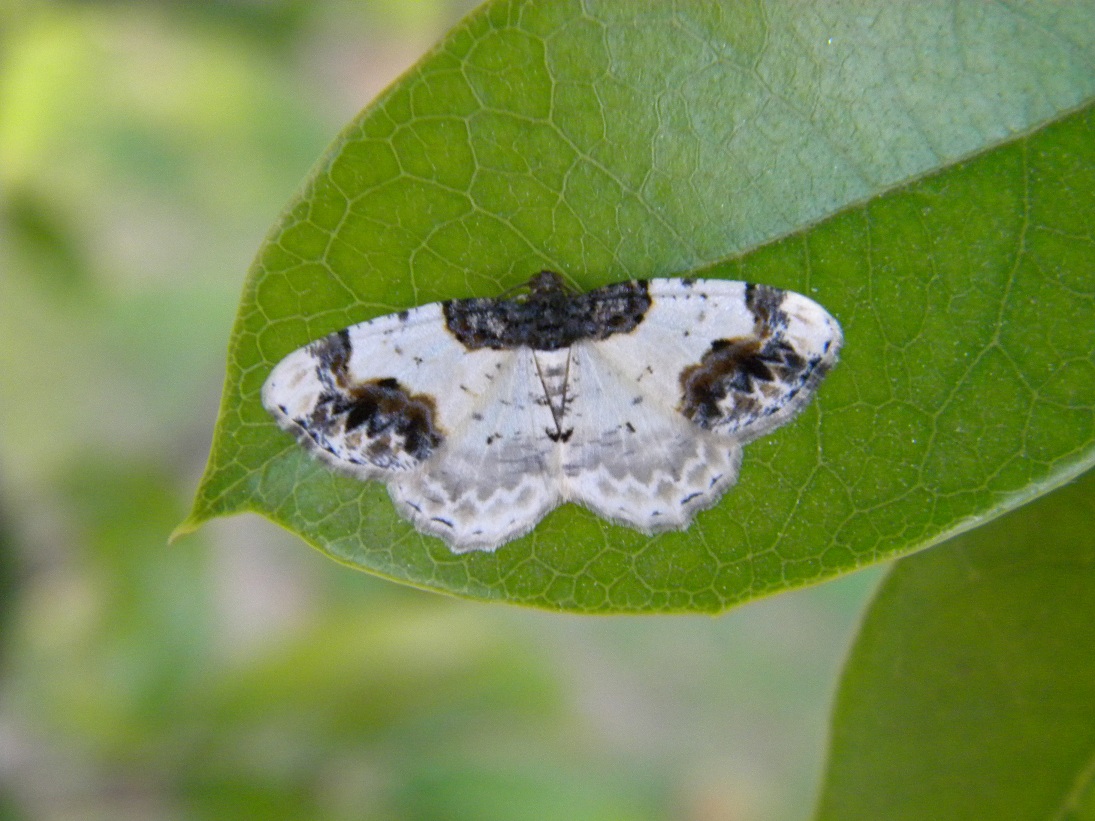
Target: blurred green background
{"x":144,"y":150}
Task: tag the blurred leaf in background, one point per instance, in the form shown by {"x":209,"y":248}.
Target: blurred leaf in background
{"x":970,"y":692}
{"x":145,"y":148}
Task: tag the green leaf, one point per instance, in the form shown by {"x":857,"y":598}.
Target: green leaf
{"x":970,"y":693}
{"x":610,"y":141}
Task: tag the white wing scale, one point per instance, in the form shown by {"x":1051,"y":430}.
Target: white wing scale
{"x":633,"y":458}
{"x":493,"y":478}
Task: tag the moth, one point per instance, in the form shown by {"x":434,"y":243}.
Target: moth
{"x":633,"y":400}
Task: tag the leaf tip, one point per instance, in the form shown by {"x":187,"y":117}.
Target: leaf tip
{"x":186,"y":527}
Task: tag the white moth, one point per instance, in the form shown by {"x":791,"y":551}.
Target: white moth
{"x":482,"y":415}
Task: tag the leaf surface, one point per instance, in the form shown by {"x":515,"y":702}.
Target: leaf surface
{"x":611,"y":141}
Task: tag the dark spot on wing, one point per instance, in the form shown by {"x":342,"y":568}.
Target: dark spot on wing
{"x":333,"y":353}
{"x":746,"y":378}
{"x":764,"y":302}
{"x":381,"y":417}
{"x":730,"y":366}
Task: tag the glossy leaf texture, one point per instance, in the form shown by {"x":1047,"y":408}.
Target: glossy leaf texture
{"x":970,"y":693}
{"x":925,"y":173}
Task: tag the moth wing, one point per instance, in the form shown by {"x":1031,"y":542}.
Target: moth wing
{"x":382,"y":396}
{"x":457,"y":434}
{"x":497,"y":475}
{"x":632,"y":457}
{"x":733,"y":358}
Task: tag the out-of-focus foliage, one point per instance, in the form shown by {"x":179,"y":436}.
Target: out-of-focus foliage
{"x":144,"y":150}
{"x":970,"y":692}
